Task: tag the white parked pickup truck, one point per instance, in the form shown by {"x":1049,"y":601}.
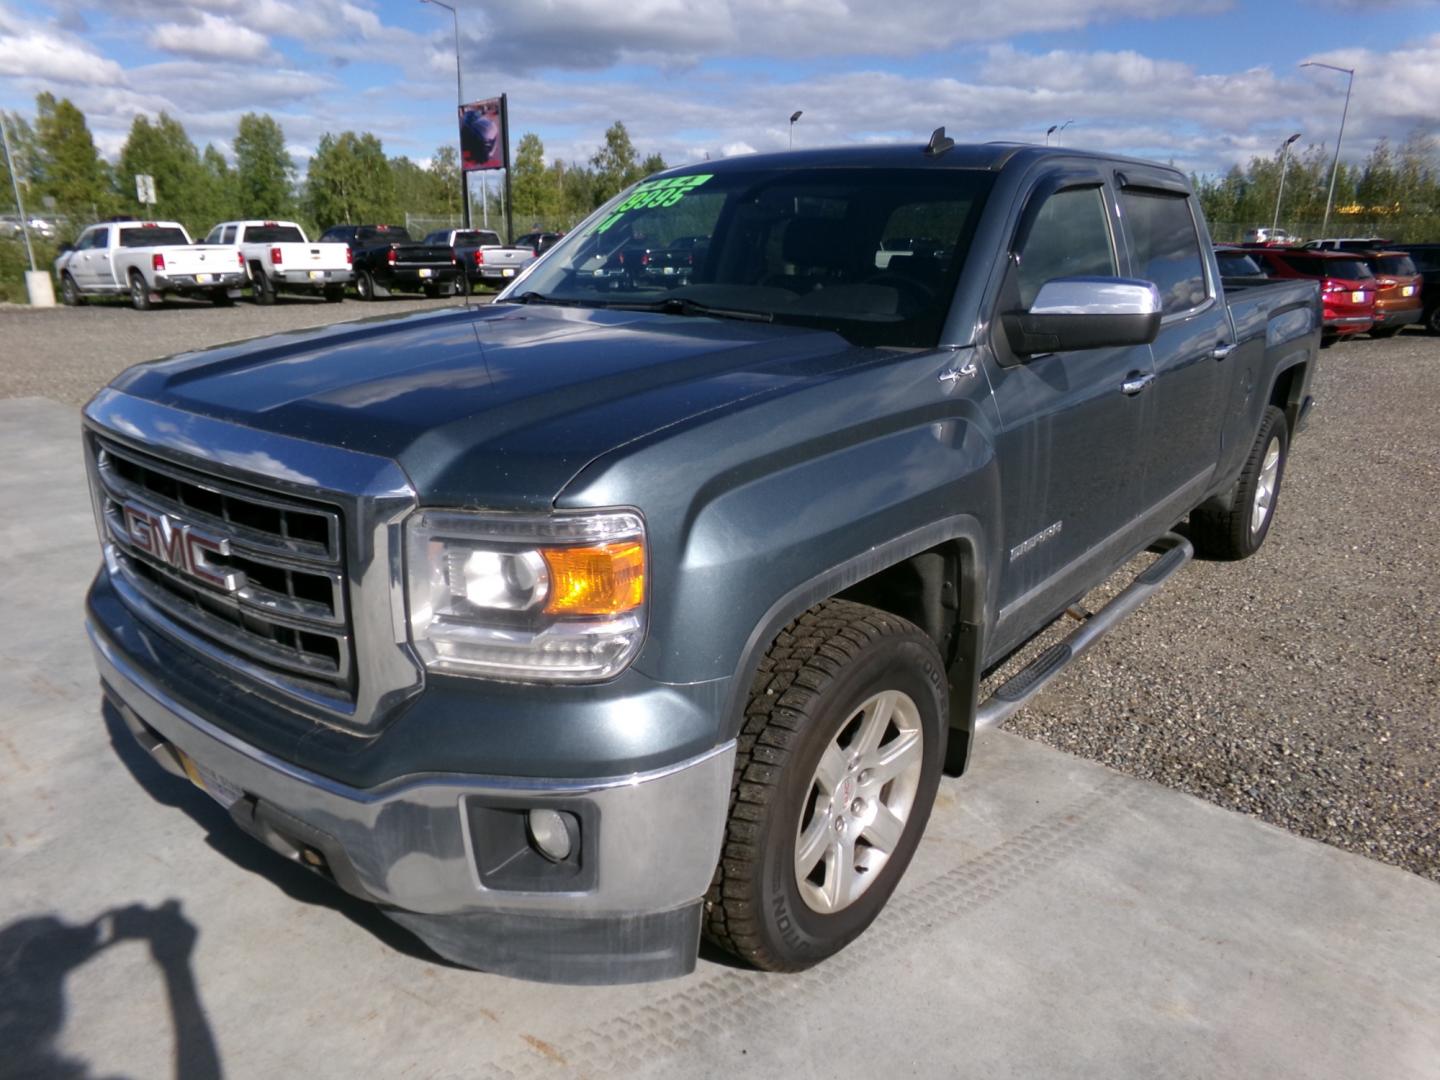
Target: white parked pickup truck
{"x":279,"y":258}
{"x":146,"y":259}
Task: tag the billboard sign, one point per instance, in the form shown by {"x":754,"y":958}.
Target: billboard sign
{"x":145,"y":188}
{"x":482,"y":135}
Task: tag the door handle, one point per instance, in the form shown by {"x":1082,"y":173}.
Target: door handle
{"x":1221,"y":351}
{"x":1135,"y":382}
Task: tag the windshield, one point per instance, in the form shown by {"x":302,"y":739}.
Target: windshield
{"x":814,"y":247}
{"x":1238,"y":264}
{"x":152,"y":236}
{"x":274,"y":234}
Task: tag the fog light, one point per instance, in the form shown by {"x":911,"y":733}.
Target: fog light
{"x":549,"y":834}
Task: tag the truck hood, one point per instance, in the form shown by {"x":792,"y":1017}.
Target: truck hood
{"x":497,"y":406}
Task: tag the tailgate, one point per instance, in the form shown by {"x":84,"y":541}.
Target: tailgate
{"x":209,"y":259}
{"x":410,"y":255}
{"x":311,"y":256}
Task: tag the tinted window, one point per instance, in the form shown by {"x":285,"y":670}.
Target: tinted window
{"x":95,"y":238}
{"x":152,"y":236}
{"x":1237,"y":264}
{"x":1393,"y":264}
{"x":1318,"y":266}
{"x":214,"y":237}
{"x":229,"y":235}
{"x":382,"y":234}
{"x":1164,"y":247}
{"x":274,"y":234}
{"x":1070,"y":238}
{"x":1427,"y":258}
{"x":476,"y":237}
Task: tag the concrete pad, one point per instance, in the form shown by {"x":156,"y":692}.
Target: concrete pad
{"x":1060,"y":919}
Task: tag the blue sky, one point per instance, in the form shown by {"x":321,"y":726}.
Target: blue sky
{"x":1205,"y":83}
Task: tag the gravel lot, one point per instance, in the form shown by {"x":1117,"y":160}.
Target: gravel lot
{"x":1302,"y":686}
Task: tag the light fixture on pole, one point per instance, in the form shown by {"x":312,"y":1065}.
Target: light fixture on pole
{"x":793,"y":117}
{"x":1335,"y":166}
{"x":459,"y":101}
{"x":1284,"y":164}
{"x":1053,"y":128}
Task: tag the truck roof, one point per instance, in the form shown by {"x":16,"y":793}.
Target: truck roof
{"x":991,"y":156}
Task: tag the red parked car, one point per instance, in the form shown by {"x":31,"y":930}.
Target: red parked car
{"x":1347,"y":284}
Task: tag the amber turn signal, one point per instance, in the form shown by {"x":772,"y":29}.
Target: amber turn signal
{"x":603,"y":580}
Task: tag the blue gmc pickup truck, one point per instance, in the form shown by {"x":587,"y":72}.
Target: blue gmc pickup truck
{"x":624,"y":610}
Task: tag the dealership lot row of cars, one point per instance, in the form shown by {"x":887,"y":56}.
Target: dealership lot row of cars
{"x":148,"y":260}
{"x":1367,"y":285}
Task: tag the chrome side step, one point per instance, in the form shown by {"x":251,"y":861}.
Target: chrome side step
{"x":1021,"y":687}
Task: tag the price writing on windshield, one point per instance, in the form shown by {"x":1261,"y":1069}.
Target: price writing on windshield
{"x":655,"y":193}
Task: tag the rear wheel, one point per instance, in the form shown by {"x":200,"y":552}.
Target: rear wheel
{"x":365,"y":285}
{"x":139,"y":292}
{"x":70,"y":292}
{"x":835,"y":773}
{"x":1238,"y":531}
{"x":261,"y":287}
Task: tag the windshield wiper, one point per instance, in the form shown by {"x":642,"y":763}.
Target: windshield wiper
{"x":533,"y":297}
{"x":683,"y":305}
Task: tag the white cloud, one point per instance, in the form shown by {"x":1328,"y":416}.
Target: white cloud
{"x":31,"y":51}
{"x":213,"y":36}
{"x":735,"y":149}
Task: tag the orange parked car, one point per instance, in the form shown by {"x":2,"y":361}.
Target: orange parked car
{"x":1397,"y":298}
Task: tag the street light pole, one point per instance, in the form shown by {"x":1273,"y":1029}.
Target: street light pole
{"x":793,"y":117}
{"x":459,"y":101}
{"x":1335,"y":167}
{"x":1284,"y":164}
{"x":1056,"y":128}
{"x":15,"y":184}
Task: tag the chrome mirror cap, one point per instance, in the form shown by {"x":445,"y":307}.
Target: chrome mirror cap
{"x":1097,"y":296}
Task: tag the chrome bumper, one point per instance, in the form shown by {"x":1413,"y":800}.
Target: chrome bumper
{"x":302,"y":277}
{"x":407,"y":845}
{"x":231,"y":280}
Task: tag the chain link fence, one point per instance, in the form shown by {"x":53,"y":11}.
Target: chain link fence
{"x":1230,"y":232}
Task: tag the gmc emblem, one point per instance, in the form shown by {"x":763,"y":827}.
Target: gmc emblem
{"x":181,"y":546}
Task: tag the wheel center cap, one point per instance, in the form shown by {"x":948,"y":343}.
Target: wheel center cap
{"x":847,"y":790}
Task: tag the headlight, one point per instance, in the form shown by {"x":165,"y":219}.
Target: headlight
{"x":559,"y":597}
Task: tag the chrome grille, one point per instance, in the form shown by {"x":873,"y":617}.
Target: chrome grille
{"x":270,"y":588}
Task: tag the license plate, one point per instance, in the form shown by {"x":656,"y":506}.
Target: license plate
{"x":1408,"y":290}
{"x":600,"y":273}
{"x":202,"y":279}
{"x":1358,"y":297}
{"x":316,"y":275}
{"x":217,"y":787}
{"x":507,"y":272}
{"x":669,"y":269}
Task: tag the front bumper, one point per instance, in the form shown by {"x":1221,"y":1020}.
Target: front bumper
{"x":171,"y":282}
{"x":652,"y":843}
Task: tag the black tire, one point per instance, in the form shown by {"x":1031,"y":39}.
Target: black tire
{"x":139,"y":291}
{"x":261,"y":288}
{"x":1432,"y":320}
{"x":221,"y":298}
{"x":334,"y":294}
{"x":432,"y":290}
{"x":364,"y":285}
{"x":70,"y":294}
{"x":807,"y":693}
{"x":458,"y":286}
{"x":1385,"y":331}
{"x":1231,"y":533}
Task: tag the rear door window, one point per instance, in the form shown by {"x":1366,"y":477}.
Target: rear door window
{"x":1070,"y":238}
{"x":1165,"y":247}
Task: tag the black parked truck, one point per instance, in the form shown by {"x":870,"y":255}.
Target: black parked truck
{"x":573,"y":627}
{"x":387,"y":260}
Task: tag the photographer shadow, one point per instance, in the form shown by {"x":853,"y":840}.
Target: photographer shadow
{"x":226,"y":838}
{"x":39,"y":952}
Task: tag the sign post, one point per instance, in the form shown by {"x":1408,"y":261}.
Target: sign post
{"x":145,"y":188}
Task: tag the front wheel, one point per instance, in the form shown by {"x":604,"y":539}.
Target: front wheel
{"x":70,"y":292}
{"x":139,"y":292}
{"x":836,"y":770}
{"x":1237,"y":531}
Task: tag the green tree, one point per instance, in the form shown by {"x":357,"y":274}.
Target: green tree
{"x":163,"y":150}
{"x":264,"y":171}
{"x":22,"y":146}
{"x":221,"y":186}
{"x":417,"y":190}
{"x":350,"y":181}
{"x":531,"y":185}
{"x":652,"y":164}
{"x":616,"y":163}
{"x":66,"y":166}
{"x":445,"y":168}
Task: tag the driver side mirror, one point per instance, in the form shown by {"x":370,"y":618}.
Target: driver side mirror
{"x":65,"y":248}
{"x":1085,"y":313}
